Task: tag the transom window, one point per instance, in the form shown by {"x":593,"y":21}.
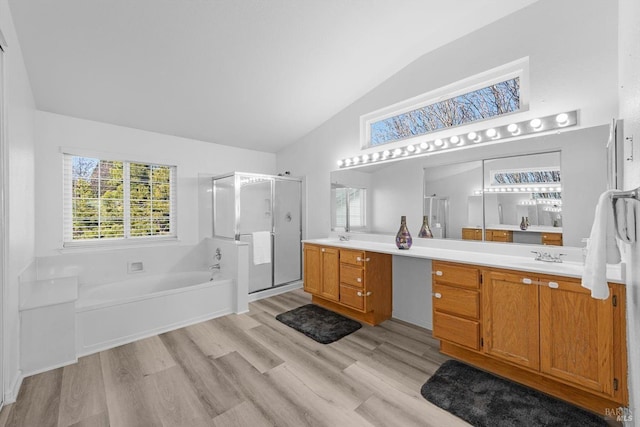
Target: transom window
{"x":109,"y":200}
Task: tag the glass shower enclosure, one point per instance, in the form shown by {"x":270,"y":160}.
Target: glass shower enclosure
{"x":264,"y":211}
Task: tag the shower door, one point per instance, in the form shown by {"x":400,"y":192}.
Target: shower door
{"x":287,"y":227}
{"x":256,"y":207}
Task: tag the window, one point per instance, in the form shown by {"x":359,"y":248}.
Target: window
{"x":488,"y":95}
{"x":349,"y":208}
{"x":109,"y":200}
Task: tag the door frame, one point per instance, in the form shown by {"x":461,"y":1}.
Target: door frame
{"x":3,"y":216}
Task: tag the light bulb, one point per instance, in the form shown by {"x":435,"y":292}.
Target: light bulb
{"x":472,"y":135}
{"x":347,"y":162}
{"x":365,"y":158}
{"x":562,"y":119}
{"x":454,"y":139}
{"x":536,"y":124}
{"x":411,"y":148}
{"x":491,"y":133}
{"x":386,"y":153}
{"x":438,"y":143}
{"x":375,"y":156}
{"x":424,"y":145}
{"x":513,"y":128}
{"x":355,"y":160}
{"x":397,"y":152}
{"x":340,"y":163}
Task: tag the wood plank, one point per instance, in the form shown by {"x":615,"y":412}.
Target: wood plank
{"x":208,"y":339}
{"x":38,"y":402}
{"x":99,"y":420}
{"x":152,"y":355}
{"x":278,"y":408}
{"x":213,"y":389}
{"x":243,"y":415}
{"x":83,"y":395}
{"x":4,"y":414}
{"x":176,"y":401}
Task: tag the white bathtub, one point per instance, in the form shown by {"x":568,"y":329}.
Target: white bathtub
{"x":116,"y":313}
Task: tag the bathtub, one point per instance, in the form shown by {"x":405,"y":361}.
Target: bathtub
{"x":117,"y":313}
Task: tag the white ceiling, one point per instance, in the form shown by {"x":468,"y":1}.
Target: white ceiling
{"x":256,"y":74}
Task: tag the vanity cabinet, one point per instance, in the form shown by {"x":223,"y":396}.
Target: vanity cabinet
{"x":471,"y":234}
{"x":456,"y":304}
{"x":543,"y":331}
{"x":511,"y":325}
{"x":554,"y":239}
{"x":321,"y":271}
{"x":498,"y":235}
{"x":351,"y":282}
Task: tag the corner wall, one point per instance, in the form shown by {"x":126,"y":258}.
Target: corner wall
{"x":19,"y":195}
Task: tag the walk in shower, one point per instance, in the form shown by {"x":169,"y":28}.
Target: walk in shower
{"x":265,"y":212}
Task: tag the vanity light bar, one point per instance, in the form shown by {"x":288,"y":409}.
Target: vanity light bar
{"x":527,"y":127}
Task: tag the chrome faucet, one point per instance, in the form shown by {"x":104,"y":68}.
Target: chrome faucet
{"x":548,"y":257}
{"x":214,"y":267}
{"x":343,"y":238}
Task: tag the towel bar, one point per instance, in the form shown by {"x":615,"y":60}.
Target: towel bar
{"x":624,"y":234}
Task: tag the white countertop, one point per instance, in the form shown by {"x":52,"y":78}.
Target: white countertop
{"x":479,"y":253}
{"x":530,"y":229}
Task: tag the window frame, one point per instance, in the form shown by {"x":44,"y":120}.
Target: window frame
{"x":128,"y":239}
{"x":363,"y":209}
{"x":516,"y":69}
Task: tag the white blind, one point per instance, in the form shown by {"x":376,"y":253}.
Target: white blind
{"x":111,"y":200}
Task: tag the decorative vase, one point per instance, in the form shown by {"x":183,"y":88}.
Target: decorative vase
{"x":523,"y":224}
{"x":425,"y":231}
{"x":403,"y":238}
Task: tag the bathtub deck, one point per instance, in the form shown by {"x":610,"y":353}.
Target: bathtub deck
{"x":243,"y":370}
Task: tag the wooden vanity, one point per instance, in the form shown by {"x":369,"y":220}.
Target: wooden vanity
{"x":540,"y":330}
{"x":352,"y":282}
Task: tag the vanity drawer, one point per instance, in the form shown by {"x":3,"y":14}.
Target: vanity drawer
{"x":456,"y":330}
{"x":456,"y":274}
{"x":457,"y":301}
{"x":349,"y":256}
{"x":353,"y":297}
{"x":351,"y":275}
{"x":552,"y":239}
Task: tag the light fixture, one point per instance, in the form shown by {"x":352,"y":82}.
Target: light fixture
{"x":494,"y":134}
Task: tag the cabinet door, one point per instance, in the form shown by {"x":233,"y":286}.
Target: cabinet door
{"x":576,"y":335}
{"x":511,"y":318}
{"x":312,"y":269}
{"x":330,"y":288}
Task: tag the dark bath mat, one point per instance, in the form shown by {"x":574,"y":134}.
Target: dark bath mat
{"x":319,"y":323}
{"x":483,"y":399}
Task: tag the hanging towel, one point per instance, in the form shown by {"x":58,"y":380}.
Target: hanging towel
{"x":261,"y":247}
{"x":603,"y":248}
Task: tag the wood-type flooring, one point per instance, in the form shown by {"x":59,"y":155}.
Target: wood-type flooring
{"x":243,"y":370}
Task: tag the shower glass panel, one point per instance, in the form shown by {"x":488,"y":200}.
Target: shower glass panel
{"x":246,"y":204}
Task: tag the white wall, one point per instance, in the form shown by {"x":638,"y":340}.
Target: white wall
{"x":570,"y":48}
{"x":629,"y":68}
{"x":20,"y":197}
{"x":194,"y":159}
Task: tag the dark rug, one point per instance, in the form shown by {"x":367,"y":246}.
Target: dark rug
{"x":483,"y":399}
{"x":318,"y":323}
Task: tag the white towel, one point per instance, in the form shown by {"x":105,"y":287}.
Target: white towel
{"x":261,"y":247}
{"x":603,"y":248}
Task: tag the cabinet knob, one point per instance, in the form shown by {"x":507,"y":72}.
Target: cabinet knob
{"x":554,"y":285}
{"x":527,"y":281}
{"x":358,"y":259}
{"x":359,"y":293}
{"x":359,"y":280}
{"x":367,"y":259}
{"x":368,"y":293}
{"x":437,"y":295}
{"x":322,"y":249}
{"x":438,"y":273}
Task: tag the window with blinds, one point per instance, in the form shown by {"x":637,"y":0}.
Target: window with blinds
{"x":350,"y":207}
{"x":111,"y":200}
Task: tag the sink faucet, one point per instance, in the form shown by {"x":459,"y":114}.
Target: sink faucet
{"x":214,"y":267}
{"x":547,"y":257}
{"x":343,"y":238}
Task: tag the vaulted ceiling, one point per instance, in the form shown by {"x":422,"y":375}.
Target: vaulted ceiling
{"x":257,"y":74}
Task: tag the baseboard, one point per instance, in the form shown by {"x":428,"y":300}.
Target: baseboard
{"x":274,"y":291}
{"x":95,"y":348}
{"x":12,"y":394}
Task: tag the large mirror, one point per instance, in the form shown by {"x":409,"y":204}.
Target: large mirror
{"x":450,"y":189}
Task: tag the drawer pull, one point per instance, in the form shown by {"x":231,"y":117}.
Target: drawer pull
{"x":322,"y":249}
{"x":358,"y":259}
{"x":554,"y":285}
{"x":527,"y":281}
{"x":359,"y":280}
{"x":437,"y":295}
{"x":367,"y":259}
{"x":438,"y":273}
{"x":360,"y":294}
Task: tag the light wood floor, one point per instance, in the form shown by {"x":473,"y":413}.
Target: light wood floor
{"x":243,"y":370}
